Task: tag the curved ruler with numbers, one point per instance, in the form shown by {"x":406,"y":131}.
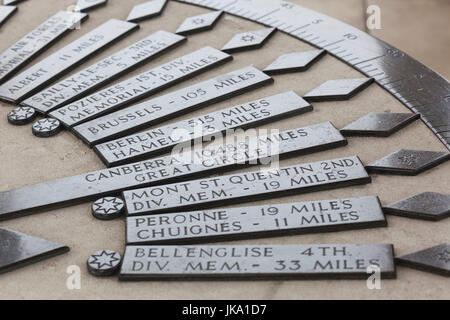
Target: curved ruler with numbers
{"x":418,"y":87}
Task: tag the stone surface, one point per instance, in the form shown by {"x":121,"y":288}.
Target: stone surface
{"x":199,"y":23}
{"x":15,"y":203}
{"x":21,"y":116}
{"x":24,"y":50}
{"x":335,"y":90}
{"x":147,"y":10}
{"x":269,"y":262}
{"x":256,"y":222}
{"x":427,"y":205}
{"x":155,"y":141}
{"x":40,"y":74}
{"x":108,"y":208}
{"x":379,"y":124}
{"x":19,"y":249}
{"x":104,"y":71}
{"x":249,"y":40}
{"x":141,"y":86}
{"x":294,"y":62}
{"x":6,"y":12}
{"x":86,"y":5}
{"x":408,"y":162}
{"x":104,"y":263}
{"x":245,"y":187}
{"x":46,"y":128}
{"x":435,"y":260}
{"x":154,"y":111}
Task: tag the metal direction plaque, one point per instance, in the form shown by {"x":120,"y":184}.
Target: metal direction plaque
{"x":140,"y":86}
{"x":258,"y":221}
{"x":36,"y":41}
{"x":40,"y":74}
{"x":147,"y":10}
{"x":154,"y":141}
{"x":246,"y":187}
{"x":85,"y":5}
{"x":6,"y":12}
{"x":92,"y":185}
{"x":156,"y":110}
{"x":102,"y":72}
{"x":316,"y":261}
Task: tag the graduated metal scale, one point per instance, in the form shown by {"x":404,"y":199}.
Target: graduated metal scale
{"x":418,"y":87}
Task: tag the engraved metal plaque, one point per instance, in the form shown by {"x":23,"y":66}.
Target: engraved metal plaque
{"x":40,"y":74}
{"x":6,"y":12}
{"x":244,"y":187}
{"x":147,"y":10}
{"x":102,"y":72}
{"x":18,"y":250}
{"x":316,"y":261}
{"x":156,"y":110}
{"x":255,"y":222}
{"x":140,"y":86}
{"x":93,"y":185}
{"x":155,"y":141}
{"x":16,"y":56}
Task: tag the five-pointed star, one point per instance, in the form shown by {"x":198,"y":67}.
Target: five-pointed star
{"x":107,"y":205}
{"x":46,"y":125}
{"x":104,"y":259}
{"x":22,"y":113}
{"x":444,"y":256}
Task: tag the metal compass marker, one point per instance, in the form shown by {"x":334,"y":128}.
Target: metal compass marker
{"x":11,"y":2}
{"x":102,"y":72}
{"x":256,"y":222}
{"x":418,"y":87}
{"x":16,"y":56}
{"x":90,"y":186}
{"x":335,"y":90}
{"x":18,"y":250}
{"x":140,"y":86}
{"x":85,"y":5}
{"x":261,"y":262}
{"x":6,"y":12}
{"x":379,"y":124}
{"x":45,"y":71}
{"x":147,"y":10}
{"x":244,"y":187}
{"x":249,"y":40}
{"x":151,"y":112}
{"x":108,"y":208}
{"x":46,"y":128}
{"x":199,"y":23}
{"x":155,"y":141}
{"x":104,"y":263}
{"x":21,"y":116}
{"x":294,"y":62}
{"x":435,"y":260}
{"x":427,"y":206}
{"x":408,"y":162}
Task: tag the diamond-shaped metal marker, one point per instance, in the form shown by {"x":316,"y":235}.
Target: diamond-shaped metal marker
{"x":408,"y":162}
{"x":18,"y":250}
{"x":249,"y":40}
{"x":199,"y":23}
{"x":6,"y":12}
{"x":427,"y":206}
{"x":85,"y":5}
{"x":294,"y":62}
{"x":146,"y":10}
{"x":379,"y":124}
{"x":11,"y":2}
{"x":434,"y":260}
{"x":337,"y":90}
